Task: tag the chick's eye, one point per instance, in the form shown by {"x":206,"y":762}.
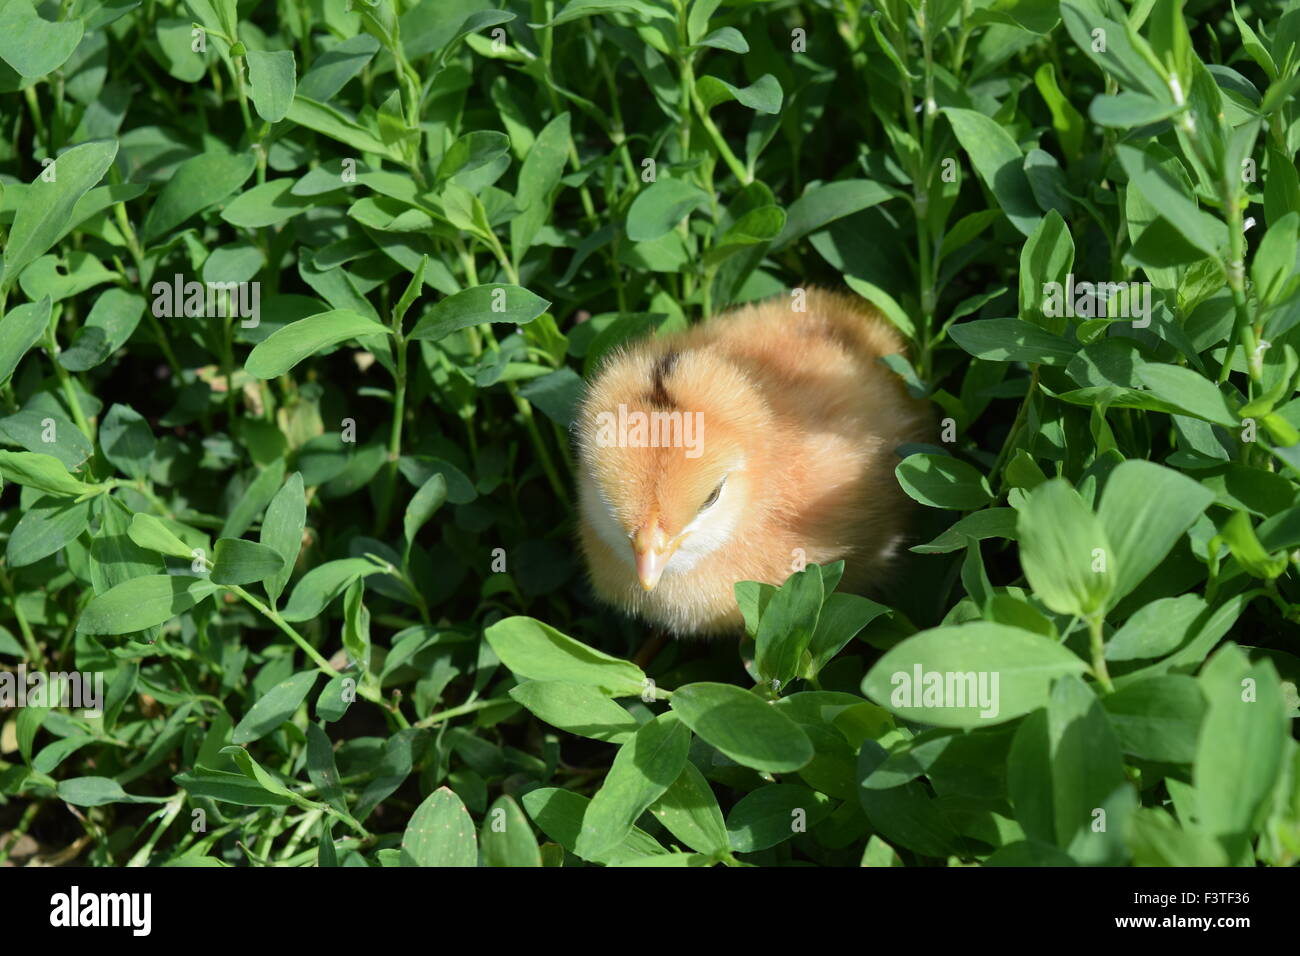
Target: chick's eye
{"x":713,"y":497}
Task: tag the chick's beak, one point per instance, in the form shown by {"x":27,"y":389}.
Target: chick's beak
{"x":652,"y":549}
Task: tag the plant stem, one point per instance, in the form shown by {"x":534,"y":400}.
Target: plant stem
{"x":33,"y":649}
{"x":65,"y":382}
{"x":395,"y":431}
{"x":1099,"y":653}
{"x":471,"y":707}
{"x":735,"y":165}
{"x":321,"y":663}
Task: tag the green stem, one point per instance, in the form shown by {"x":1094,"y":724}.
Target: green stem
{"x":460,"y":711}
{"x":29,"y":638}
{"x":395,"y":430}
{"x":1018,"y":423}
{"x":715,"y":136}
{"x":65,"y":382}
{"x":137,"y":256}
{"x":1099,"y":653}
{"x":543,"y":453}
{"x":321,"y":663}
{"x":24,"y":825}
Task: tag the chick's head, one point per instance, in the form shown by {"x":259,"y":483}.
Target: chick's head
{"x":671,"y":448}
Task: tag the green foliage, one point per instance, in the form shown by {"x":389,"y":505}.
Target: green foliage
{"x":296,"y":300}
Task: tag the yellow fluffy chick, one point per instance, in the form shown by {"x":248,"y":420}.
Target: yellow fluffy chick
{"x":739,"y":448}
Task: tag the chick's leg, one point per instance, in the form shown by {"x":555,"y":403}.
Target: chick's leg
{"x":651,"y":648}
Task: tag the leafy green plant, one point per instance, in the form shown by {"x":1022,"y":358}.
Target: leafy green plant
{"x":296,"y":303}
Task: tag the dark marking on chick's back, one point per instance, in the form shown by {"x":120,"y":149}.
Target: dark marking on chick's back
{"x":663,"y":367}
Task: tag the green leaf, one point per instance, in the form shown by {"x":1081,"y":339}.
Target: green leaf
{"x":440,"y":833}
{"x":690,"y":812}
{"x":45,"y":528}
{"x":1240,"y":748}
{"x":1066,"y":120}
{"x":764,"y":95}
{"x":1117,"y":56}
{"x":272,"y":78}
{"x":745,"y":728}
{"x":906,"y":815}
{"x":1145,"y":508}
{"x":475,"y":149}
{"x":773,"y":814}
{"x":335,"y":698}
{"x":322,"y":584}
{"x":356,"y":626}
{"x":241,"y":562}
{"x":886,"y":303}
{"x":266,"y":780}
{"x":236,"y":788}
{"x":989,"y":523}
{"x":265,"y":205}
{"x":199,"y":182}
{"x":274,"y":707}
{"x":282,"y":528}
{"x":506,"y":839}
{"x":787,"y":626}
{"x":112,"y":319}
{"x":483,"y":303}
{"x":1065,"y":551}
{"x":1092,"y":798}
{"x":560,"y":813}
{"x":644,"y":767}
{"x":1281,"y":185}
{"x":330,"y":122}
{"x":1029,"y":853}
{"x":1188,"y":392}
{"x":999,"y":162}
{"x":153,"y":534}
{"x":47,"y":432}
{"x":576,"y":9}
{"x":423,"y":505}
{"x":1163,"y":191}
{"x":114,"y":556}
{"x":659,"y":207}
{"x":840,"y":620}
{"x":21,"y":328}
{"x":556,"y":394}
{"x":1156,"y":629}
{"x":44,"y":472}
{"x":46,"y":206}
{"x":126,"y":441}
{"x":725,"y":38}
{"x":255,"y":498}
{"x":1158,"y":718}
{"x":287,"y":346}
{"x":321,"y":769}
{"x":141,"y":603}
{"x":331,"y":71}
{"x":576,"y":708}
{"x":1275,"y":260}
{"x":968,"y":675}
{"x":1012,"y":340}
{"x":1128,"y":109}
{"x":537,"y":651}
{"x":1046,"y":258}
{"x":97,"y":791}
{"x":1239,"y":535}
{"x":32,"y":45}
{"x":822,"y":205}
{"x":538,"y":176}
{"x":942,"y":481}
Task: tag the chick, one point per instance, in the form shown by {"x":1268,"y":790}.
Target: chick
{"x":738,"y":449}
